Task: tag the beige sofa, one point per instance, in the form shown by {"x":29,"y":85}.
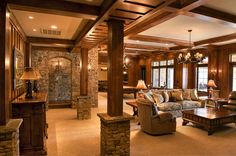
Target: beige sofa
{"x":175,"y":107}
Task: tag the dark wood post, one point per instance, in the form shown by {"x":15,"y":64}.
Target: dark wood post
{"x":84,"y":72}
{"x":27,"y":54}
{"x":4,"y":67}
{"x":115,"y":67}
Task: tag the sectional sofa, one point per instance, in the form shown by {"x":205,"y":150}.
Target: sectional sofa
{"x":173,"y":101}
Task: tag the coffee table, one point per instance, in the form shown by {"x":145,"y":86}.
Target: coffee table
{"x":209,"y":118}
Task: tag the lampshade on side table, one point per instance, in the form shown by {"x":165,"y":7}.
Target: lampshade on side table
{"x":28,"y":75}
{"x":211,"y":84}
{"x":141,"y":85}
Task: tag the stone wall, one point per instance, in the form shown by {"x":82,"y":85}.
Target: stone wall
{"x":41,"y":58}
{"x":93,"y":76}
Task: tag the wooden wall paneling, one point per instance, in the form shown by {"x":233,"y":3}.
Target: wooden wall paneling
{"x":148,"y":71}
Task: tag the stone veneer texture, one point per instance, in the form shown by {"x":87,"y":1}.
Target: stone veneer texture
{"x":115,"y":135}
{"x":9,"y":138}
{"x":84,"y":108}
{"x":41,"y":61}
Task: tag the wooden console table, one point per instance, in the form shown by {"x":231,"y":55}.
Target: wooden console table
{"x":33,"y":131}
{"x":134,"y":105}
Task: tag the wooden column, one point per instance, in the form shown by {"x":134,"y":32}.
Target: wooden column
{"x":4,"y":67}
{"x":115,"y":67}
{"x":27,"y":54}
{"x":84,"y":72}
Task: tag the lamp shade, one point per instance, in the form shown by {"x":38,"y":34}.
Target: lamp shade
{"x":141,"y":85}
{"x":37,"y":74}
{"x":29,"y":74}
{"x":211,"y":83}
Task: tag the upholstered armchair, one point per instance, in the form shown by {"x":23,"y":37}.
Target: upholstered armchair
{"x":231,"y":101}
{"x":155,"y":122}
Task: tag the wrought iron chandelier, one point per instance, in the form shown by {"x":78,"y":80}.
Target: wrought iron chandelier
{"x":186,"y":57}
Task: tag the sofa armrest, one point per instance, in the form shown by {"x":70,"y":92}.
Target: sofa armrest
{"x":163,"y":116}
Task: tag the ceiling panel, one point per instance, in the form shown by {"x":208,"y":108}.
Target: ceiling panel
{"x":177,"y":27}
{"x":66,"y":25}
{"x":228,"y":6}
{"x":149,"y":43}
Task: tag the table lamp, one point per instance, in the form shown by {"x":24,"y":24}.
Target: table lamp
{"x":35,"y":87}
{"x":141,"y":85}
{"x":28,"y":75}
{"x":211,"y":84}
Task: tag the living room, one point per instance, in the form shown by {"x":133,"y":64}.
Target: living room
{"x":69,"y":43}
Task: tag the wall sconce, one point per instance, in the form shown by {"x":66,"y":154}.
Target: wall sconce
{"x":213,"y":73}
{"x":89,"y":67}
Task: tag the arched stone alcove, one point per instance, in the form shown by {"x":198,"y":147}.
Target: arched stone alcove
{"x":60,"y":82}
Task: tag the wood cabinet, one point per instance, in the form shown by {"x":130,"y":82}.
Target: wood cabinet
{"x":33,"y":131}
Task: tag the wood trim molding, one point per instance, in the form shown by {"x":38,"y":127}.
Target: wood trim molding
{"x":50,"y":41}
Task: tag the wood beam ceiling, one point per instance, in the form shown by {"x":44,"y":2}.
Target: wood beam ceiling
{"x":58,"y":7}
{"x":41,"y":40}
{"x":159,"y":40}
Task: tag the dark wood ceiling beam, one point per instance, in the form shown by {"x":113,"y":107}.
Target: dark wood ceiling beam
{"x":106,"y":8}
{"x":41,"y":40}
{"x":62,"y":49}
{"x":59,"y":7}
{"x":143,"y":47}
{"x":159,"y":40}
{"x":135,"y":26}
{"x":216,"y":39}
{"x":206,"y":11}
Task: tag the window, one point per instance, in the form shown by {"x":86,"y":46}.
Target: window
{"x":163,"y":73}
{"x":202,"y":75}
{"x":232,"y":60}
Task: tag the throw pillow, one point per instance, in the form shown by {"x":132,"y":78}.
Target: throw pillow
{"x":187,"y":94}
{"x":149,"y":97}
{"x":166,"y":96}
{"x":193,"y":94}
{"x":158,"y":98}
{"x":178,"y":95}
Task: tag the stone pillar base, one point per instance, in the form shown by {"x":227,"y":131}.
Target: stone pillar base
{"x":84,"y":108}
{"x":115,"y":134}
{"x":9,"y":138}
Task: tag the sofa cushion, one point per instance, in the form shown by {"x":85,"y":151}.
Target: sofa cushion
{"x":187,"y":94}
{"x":169,"y":106}
{"x":193,"y":94}
{"x":178,"y":95}
{"x":166,"y":96}
{"x":158,"y":98}
{"x":149,"y":96}
{"x":189,"y":104}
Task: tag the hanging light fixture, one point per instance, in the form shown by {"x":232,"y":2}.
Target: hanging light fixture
{"x":186,"y":57}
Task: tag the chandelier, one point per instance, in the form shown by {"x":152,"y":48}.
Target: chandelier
{"x":186,"y":57}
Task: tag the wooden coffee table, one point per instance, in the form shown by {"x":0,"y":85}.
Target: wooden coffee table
{"x":209,"y":118}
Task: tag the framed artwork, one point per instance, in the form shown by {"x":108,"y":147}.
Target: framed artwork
{"x":18,"y":68}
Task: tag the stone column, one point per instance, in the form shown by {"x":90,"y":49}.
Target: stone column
{"x":115,"y":134}
{"x":84,"y":108}
{"x":84,"y":101}
{"x":9,"y":138}
{"x":115,"y":125}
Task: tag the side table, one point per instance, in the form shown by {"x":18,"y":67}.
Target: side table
{"x":218,"y":102}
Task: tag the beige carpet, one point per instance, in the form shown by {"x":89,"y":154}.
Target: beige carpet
{"x":71,"y":137}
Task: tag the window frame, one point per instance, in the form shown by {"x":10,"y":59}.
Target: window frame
{"x":166,"y":67}
{"x":197,"y":74}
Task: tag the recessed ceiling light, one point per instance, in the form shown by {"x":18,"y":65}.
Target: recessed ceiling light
{"x":89,"y":0}
{"x":31,"y":17}
{"x":137,"y":40}
{"x":53,"y":27}
{"x":167,"y":44}
{"x":34,"y":30}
